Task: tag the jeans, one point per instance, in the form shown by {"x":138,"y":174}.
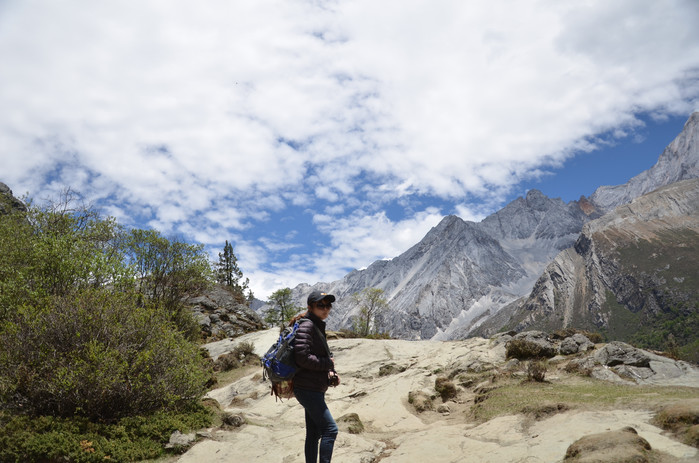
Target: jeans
{"x":320,"y":425}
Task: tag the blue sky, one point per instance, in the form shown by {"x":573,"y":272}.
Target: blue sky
{"x":610,"y":165}
{"x":319,"y":136}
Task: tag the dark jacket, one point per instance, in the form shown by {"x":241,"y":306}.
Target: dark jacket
{"x":311,"y":355}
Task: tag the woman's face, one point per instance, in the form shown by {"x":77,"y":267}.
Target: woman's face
{"x":321,"y":309}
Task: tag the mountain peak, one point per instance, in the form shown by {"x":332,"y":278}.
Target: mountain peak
{"x":679,"y":161}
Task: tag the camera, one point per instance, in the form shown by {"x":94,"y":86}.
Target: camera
{"x":333,"y":379}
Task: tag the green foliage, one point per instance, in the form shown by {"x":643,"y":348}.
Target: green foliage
{"x":372,"y":305}
{"x":666,"y":276}
{"x":227,"y":362}
{"x":242,"y":354}
{"x":91,"y":322}
{"x":166,"y":272}
{"x":56,"y":251}
{"x":536,"y":371}
{"x":244,"y":350}
{"x":445,"y":388}
{"x":229,"y":274}
{"x":521,"y":349}
{"x":96,"y":355}
{"x":46,"y":438}
{"x":673,"y":329}
{"x":282,"y":308}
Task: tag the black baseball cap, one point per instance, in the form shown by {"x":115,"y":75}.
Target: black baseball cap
{"x":317,"y":296}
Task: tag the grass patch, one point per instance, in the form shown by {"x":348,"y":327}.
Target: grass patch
{"x":225,"y":378}
{"x":45,"y":438}
{"x":518,"y":397}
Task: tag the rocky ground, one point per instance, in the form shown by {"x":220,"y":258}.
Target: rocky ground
{"x":389,"y":386}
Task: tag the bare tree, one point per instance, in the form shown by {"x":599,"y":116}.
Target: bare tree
{"x":371,"y":303}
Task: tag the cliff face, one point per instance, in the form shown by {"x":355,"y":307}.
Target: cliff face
{"x":8,"y":202}
{"x":629,"y":271}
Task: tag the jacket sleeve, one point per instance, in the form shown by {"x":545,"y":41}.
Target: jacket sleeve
{"x":306,"y":350}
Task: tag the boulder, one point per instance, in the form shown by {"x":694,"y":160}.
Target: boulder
{"x":574,"y":344}
{"x":220,"y":316}
{"x":179,"y":440}
{"x":620,"y":353}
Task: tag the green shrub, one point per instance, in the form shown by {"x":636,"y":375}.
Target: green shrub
{"x":445,"y":388}
{"x":420,"y":400}
{"x":351,"y":423}
{"x":521,"y":349}
{"x":96,"y":355}
{"x":91,"y":320}
{"x":227,"y":362}
{"x":536,"y":371}
{"x":242,"y":354}
{"x":26,"y":439}
{"x":245,"y":353}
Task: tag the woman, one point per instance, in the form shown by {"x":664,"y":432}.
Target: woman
{"x":316,"y":372}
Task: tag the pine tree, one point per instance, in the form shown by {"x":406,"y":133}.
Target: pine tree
{"x":229,"y":274}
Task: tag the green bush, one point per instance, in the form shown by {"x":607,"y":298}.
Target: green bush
{"x":25,"y":439}
{"x":227,"y":362}
{"x":536,"y":371}
{"x":91,"y":319}
{"x":445,"y":388}
{"x":243,"y":350}
{"x":521,"y":349}
{"x":96,"y":355}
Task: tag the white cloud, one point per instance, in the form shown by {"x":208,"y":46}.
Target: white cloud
{"x":208,"y":118}
{"x":358,"y":239}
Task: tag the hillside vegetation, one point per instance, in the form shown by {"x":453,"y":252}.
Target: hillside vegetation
{"x":95,"y":345}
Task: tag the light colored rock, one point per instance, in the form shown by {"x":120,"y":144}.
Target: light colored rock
{"x":618,"y":353}
{"x":574,"y":344}
{"x":177,"y":439}
{"x":394,"y":432}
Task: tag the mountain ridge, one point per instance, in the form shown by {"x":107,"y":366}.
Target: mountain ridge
{"x":462,"y":273}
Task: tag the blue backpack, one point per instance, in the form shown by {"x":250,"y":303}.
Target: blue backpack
{"x":278,"y":363}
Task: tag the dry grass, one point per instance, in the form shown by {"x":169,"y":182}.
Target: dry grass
{"x":227,"y":377}
{"x":511,"y":396}
{"x":682,"y":419}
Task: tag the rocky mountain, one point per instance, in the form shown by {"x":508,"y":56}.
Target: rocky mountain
{"x":8,"y":202}
{"x":462,"y":269}
{"x":679,"y":161}
{"x":463,"y":273}
{"x":219,"y":315}
{"x":632,"y":274}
